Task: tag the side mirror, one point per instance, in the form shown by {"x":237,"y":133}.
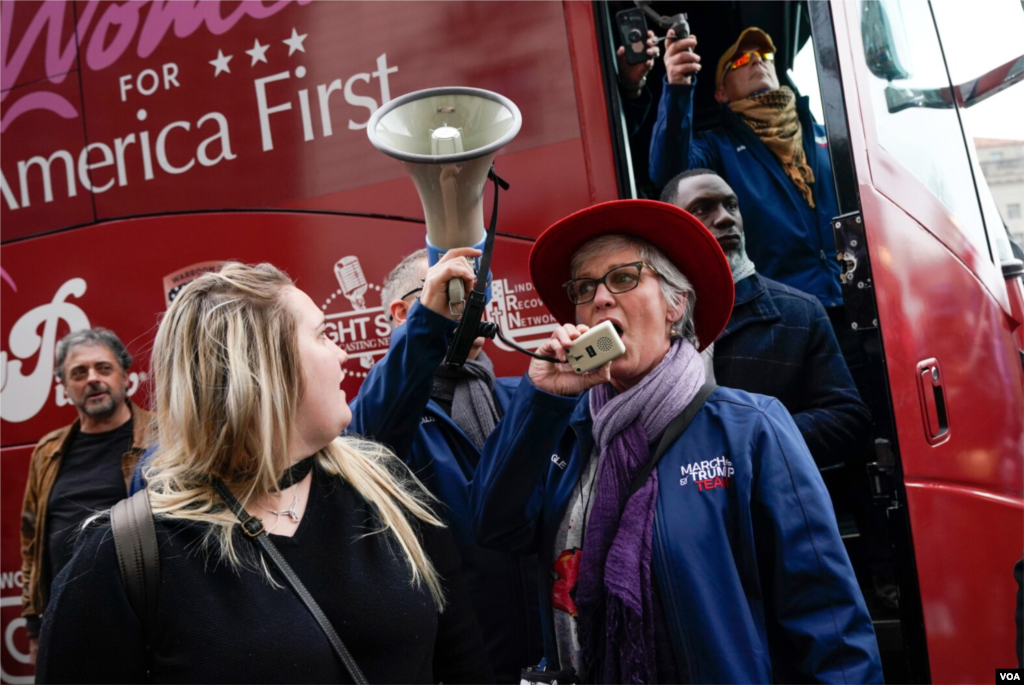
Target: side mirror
{"x":884,"y":49}
{"x":899,"y":99}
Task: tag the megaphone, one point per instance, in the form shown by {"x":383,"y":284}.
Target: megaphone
{"x":447,"y":139}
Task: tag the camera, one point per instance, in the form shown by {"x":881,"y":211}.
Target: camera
{"x":633,"y":34}
{"x":680,"y":26}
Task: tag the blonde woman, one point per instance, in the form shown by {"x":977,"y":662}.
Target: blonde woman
{"x":247,"y":389}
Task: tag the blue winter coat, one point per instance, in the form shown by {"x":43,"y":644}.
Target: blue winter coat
{"x":393,"y":406}
{"x":756,"y":582}
{"x":779,"y":342}
{"x":787,"y":239}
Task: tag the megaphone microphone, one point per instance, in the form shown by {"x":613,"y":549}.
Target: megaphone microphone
{"x":447,"y":138}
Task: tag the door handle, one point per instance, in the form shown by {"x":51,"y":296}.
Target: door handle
{"x":933,"y":401}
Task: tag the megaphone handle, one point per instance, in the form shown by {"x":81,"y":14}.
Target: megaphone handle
{"x":456,"y":291}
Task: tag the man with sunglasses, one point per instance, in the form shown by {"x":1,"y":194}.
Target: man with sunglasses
{"x":772,"y":154}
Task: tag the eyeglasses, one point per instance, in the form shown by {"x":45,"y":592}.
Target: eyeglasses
{"x":744,"y":59}
{"x":391,"y":317}
{"x":411,"y":292}
{"x":621,"y":279}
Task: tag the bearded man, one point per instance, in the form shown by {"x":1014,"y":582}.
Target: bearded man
{"x":81,"y":468}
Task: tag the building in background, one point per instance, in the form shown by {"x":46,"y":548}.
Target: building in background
{"x":1002,"y":162}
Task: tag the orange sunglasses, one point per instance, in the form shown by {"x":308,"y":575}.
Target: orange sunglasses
{"x":744,"y":59}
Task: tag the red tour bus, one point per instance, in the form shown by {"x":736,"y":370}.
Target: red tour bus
{"x":145,"y":143}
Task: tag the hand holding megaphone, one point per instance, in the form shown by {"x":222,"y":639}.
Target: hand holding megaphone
{"x":447,"y":138}
{"x":454,"y":267}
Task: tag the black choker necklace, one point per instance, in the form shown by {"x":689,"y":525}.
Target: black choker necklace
{"x":296,"y":473}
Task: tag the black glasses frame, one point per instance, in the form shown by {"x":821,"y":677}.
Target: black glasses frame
{"x":411,"y":292}
{"x":640,"y":266}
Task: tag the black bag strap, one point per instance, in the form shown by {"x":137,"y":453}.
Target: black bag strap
{"x":138,"y":556}
{"x":673,"y":431}
{"x":252,"y":526}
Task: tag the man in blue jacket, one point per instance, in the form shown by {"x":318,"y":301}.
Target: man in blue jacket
{"x":778,"y":341}
{"x":720,"y":563}
{"x":768,"y":149}
{"x":437,"y":419}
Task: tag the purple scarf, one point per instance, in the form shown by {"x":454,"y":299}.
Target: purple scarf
{"x":614,"y":595}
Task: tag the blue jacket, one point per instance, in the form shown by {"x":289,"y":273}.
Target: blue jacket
{"x":756,"y":582}
{"x":787,"y":239}
{"x":393,"y":406}
{"x":779,"y":342}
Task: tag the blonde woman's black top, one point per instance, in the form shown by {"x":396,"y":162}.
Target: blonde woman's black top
{"x":222,"y":626}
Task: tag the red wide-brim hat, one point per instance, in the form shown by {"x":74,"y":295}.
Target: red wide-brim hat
{"x":681,"y":237}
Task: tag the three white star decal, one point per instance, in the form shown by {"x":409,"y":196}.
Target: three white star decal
{"x":258,"y":53}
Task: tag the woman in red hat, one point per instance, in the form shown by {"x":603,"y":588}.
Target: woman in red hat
{"x":722,"y":561}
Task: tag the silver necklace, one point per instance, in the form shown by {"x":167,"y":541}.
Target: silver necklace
{"x":290,"y":511}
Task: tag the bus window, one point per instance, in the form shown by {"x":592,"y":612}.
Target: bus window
{"x":975,"y":42}
{"x":915,"y":119}
{"x":804,"y":75}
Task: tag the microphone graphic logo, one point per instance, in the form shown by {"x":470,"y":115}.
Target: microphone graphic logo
{"x":352,"y":281}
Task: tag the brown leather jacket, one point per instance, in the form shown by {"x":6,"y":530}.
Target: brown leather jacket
{"x":42,"y":473}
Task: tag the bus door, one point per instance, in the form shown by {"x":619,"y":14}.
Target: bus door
{"x":924,"y":288}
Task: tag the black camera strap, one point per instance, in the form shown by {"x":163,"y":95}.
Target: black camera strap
{"x":472,"y":314}
{"x":252,"y":526}
{"x":492,"y":230}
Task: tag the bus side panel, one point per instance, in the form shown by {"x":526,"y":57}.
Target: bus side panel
{"x":171,"y":127}
{"x":967,"y":542}
{"x":14,"y":660}
{"x":931,"y":307}
{"x":41,"y":178}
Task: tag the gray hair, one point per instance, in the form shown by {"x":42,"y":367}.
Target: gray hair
{"x":674,"y":285}
{"x":91,"y":336}
{"x":403,"y":278}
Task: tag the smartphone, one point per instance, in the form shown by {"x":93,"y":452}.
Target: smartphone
{"x":633,"y":34}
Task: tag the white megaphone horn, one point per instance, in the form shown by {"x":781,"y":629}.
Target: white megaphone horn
{"x":447,"y":138}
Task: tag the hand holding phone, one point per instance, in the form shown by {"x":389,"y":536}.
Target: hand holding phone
{"x":633,"y":35}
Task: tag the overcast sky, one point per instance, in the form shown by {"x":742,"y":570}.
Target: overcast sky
{"x":977,"y":36}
